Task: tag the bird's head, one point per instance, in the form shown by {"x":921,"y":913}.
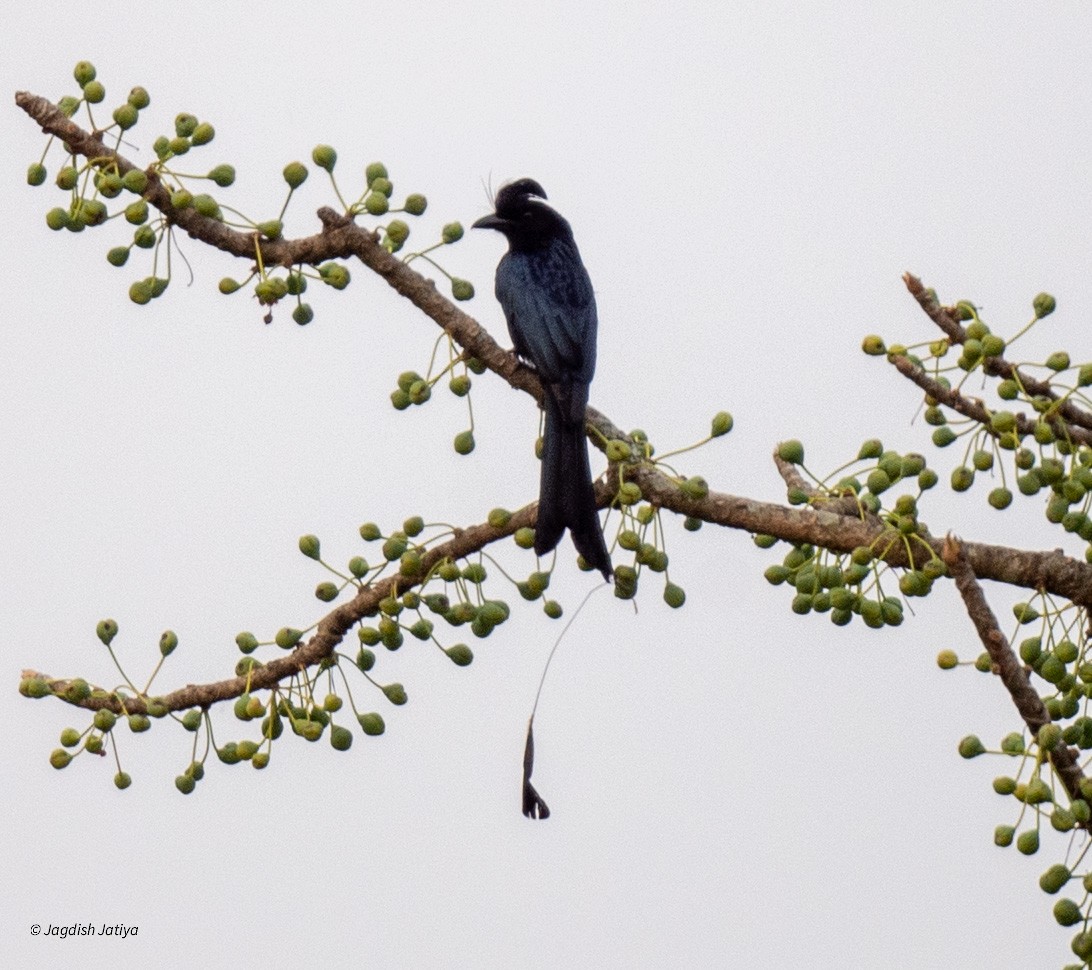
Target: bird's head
{"x":521,"y":216}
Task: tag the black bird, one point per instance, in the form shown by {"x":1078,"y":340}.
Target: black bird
{"x":549,"y":304}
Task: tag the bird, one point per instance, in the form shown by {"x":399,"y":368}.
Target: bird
{"x":549,"y":305}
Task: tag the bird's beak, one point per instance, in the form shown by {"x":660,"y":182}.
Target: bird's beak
{"x":491,"y":221}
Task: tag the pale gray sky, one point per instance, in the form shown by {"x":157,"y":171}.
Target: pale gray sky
{"x":732,"y":785}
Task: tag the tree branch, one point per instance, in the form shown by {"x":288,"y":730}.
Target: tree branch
{"x":833,"y":523}
{"x":1007,"y":665}
{"x":946,"y":318}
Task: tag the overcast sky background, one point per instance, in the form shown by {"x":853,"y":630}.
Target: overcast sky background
{"x":732,"y":785}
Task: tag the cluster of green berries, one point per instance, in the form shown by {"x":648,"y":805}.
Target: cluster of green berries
{"x":828,"y":583}
{"x":104,"y":719}
{"x":1043,"y":456}
{"x":883,"y":469}
{"x":836,"y":584}
{"x":1036,"y":793}
{"x":413,"y":389}
{"x":1057,"y":659}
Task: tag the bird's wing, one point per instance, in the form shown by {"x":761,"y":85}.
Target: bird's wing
{"x":550,"y":308}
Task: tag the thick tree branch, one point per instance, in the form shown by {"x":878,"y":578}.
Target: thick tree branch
{"x":833,"y":523}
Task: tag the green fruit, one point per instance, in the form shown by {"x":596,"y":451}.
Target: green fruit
{"x":694,"y":487}
{"x":1067,"y":912}
{"x":106,"y":630}
{"x":303,"y":314}
{"x":962,"y":478}
{"x":287,"y":637}
{"x":947,"y":659}
{"x":791,"y":451}
{"x":1052,"y":669}
{"x":878,"y":481}
{"x":185,"y":784}
{"x":1002,"y":835}
{"x":1004,"y":785}
{"x":104,"y":719}
{"x":1037,"y":792}
{"x":136,"y":213}
{"x":395,"y":693}
{"x":1049,"y":735}
{"x":721,"y":424}
{"x":94,"y":92}
{"x":295,"y":174}
{"x":1028,"y":842}
{"x":84,"y":73}
{"x":191,"y":720}
{"x":326,"y":592}
{"x":395,"y":546}
{"x":335,"y":275}
{"x":203,"y":134}
{"x":1058,"y":361}
{"x":971,"y":747}
{"x":223,"y":176}
{"x":1043,"y":305}
{"x":462,"y":289}
{"x":524,"y":537}
{"x":376,"y":204}
{"x":415,"y":204}
{"x":372,"y":723}
{"x":324,"y":156}
{"x":138,"y":723}
{"x":126,"y":116}
{"x":1000,"y":498}
{"x":36,"y":174}
{"x":674,"y":596}
{"x":57,"y":219}
{"x":60,"y":758}
{"x":118,"y":256}
{"x":122,"y":780}
{"x":420,"y":392}
{"x":464,"y":442}
{"x":1054,"y":878}
{"x":309,"y":546}
{"x":70,"y":737}
{"x":184,"y":125}
{"x":139,"y":98}
{"x":341,"y":738}
{"x":942,"y":437}
{"x":397,"y":231}
{"x":460,"y":654}
{"x":206,"y":205}
{"x":873,"y":345}
{"x":168,"y":642}
{"x":872,"y":448}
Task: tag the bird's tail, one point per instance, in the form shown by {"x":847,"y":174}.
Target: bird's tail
{"x":566,"y":495}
